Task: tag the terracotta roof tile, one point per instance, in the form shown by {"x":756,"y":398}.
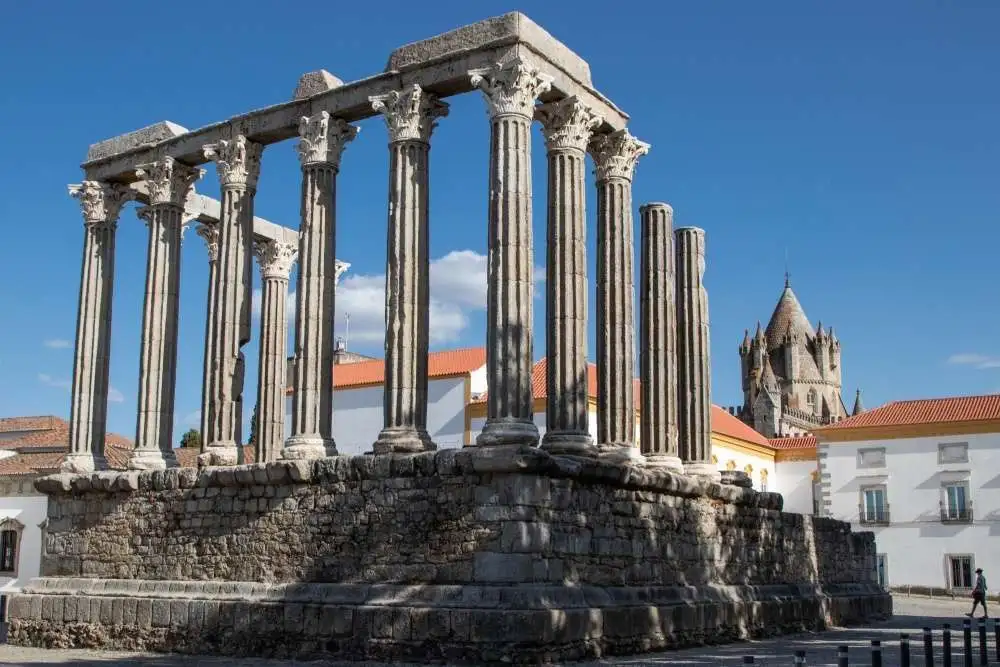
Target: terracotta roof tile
{"x":116,"y":450}
{"x":925,"y":411}
{"x":801,"y":442}
{"x":439,"y":364}
{"x":788,"y":314}
{"x":8,"y":424}
{"x":726,"y":424}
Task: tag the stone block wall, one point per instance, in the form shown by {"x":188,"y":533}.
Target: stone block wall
{"x":453,"y":554}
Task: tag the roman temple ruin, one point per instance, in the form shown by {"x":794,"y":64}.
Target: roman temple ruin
{"x":513,"y":549}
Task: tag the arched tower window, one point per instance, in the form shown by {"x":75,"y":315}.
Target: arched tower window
{"x":811,"y":399}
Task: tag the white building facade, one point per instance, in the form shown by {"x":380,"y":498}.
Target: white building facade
{"x":924,"y":476}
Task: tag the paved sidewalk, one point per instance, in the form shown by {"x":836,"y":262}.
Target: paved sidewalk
{"x":912,"y":615}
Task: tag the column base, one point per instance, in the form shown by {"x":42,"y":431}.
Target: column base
{"x":83,"y":463}
{"x":151,"y":459}
{"x":219,"y":454}
{"x":701,"y":469}
{"x":620,"y":453}
{"x":308,"y":447}
{"x":571,"y":443}
{"x":665,"y":461}
{"x":403,"y":440}
{"x":508,"y":431}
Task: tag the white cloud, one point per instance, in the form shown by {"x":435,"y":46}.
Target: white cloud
{"x":458,"y":285}
{"x":255,"y":305}
{"x":191,"y":419}
{"x":57,"y":344}
{"x":980,"y":361}
{"x":115,"y":396}
{"x":50,"y":381}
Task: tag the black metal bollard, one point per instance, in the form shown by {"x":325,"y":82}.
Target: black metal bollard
{"x":904,"y":650}
{"x":967,"y":641}
{"x":946,"y":641}
{"x":800,"y":658}
{"x":3,"y":608}
{"x":928,"y":647}
{"x":876,"y":653}
{"x":984,"y":656}
{"x":996,"y":637}
{"x":842,"y":659}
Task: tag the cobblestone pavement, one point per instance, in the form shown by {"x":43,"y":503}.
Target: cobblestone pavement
{"x":911,"y":615}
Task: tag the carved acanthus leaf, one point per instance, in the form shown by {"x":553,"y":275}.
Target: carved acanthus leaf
{"x":511,"y":87}
{"x":275,"y":258}
{"x":616,"y":154}
{"x":323,"y":138}
{"x":567,"y":123}
{"x":169,"y":181}
{"x":101,"y":202}
{"x":339,"y":268}
{"x":410,"y":114}
{"x":237,"y":161}
{"x":211,"y":235}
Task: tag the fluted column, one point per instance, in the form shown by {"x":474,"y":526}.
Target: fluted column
{"x":101,"y":204}
{"x":321,"y":144}
{"x":210,"y":234}
{"x":510,"y":89}
{"x":275,"y":259}
{"x":567,"y":126}
{"x":658,"y":339}
{"x":410,"y":115}
{"x":615,"y":156}
{"x":168,"y":183}
{"x":693,"y":362}
{"x":238,"y":164}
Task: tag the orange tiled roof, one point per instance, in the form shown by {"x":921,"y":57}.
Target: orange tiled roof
{"x":439,"y":364}
{"x":925,"y":411}
{"x":43,"y":423}
{"x":801,"y":442}
{"x":723,"y":423}
{"x":116,"y":450}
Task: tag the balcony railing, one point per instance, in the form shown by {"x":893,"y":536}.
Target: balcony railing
{"x":953,"y":514}
{"x":873,"y":516}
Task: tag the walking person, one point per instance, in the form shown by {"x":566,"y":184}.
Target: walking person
{"x":979,"y":593}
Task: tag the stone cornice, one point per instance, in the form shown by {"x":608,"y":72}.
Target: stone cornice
{"x":275,"y":258}
{"x":567,"y":124}
{"x":410,"y":114}
{"x":237,"y":161}
{"x":101,"y":202}
{"x":616,"y":155}
{"x":322,"y":139}
{"x":511,"y":87}
{"x":169,"y":181}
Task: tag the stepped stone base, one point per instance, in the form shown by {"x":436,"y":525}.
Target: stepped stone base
{"x":478,"y":555}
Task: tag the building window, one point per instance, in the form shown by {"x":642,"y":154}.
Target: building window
{"x":811,"y":398}
{"x":763,"y":480}
{"x":960,"y":571}
{"x":871,"y":458}
{"x":955,"y":503}
{"x":874,"y":507}
{"x":882,"y":571}
{"x":10,"y":538}
{"x":953,"y":452}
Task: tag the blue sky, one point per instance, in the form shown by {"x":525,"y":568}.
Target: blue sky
{"x":859,"y":139}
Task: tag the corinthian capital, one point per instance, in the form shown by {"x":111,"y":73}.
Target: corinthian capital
{"x":101,"y":202}
{"x":339,"y":268}
{"x":275,"y":258}
{"x":567,"y":123}
{"x":411,"y":114}
{"x":211,"y":235}
{"x":169,"y":181}
{"x":616,"y":154}
{"x":511,"y":87}
{"x":237,"y":161}
{"x":322,"y":139}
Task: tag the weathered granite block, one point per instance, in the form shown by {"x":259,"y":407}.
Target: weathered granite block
{"x":463,"y":556}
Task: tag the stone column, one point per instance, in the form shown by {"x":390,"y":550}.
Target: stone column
{"x":275,"y":259}
{"x":615,"y":157}
{"x":658,"y":339}
{"x":210,"y":233}
{"x":101,"y":204}
{"x":694,"y":389}
{"x":321,"y":144}
{"x":511,"y":89}
{"x":168,"y":183}
{"x":410,"y":115}
{"x":567,"y":126}
{"x":238,"y":164}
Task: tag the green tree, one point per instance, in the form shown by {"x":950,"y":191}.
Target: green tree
{"x":253,"y":426}
{"x":191,"y":439}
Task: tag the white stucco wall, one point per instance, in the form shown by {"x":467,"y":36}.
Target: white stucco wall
{"x":793,"y":480}
{"x":916,"y":543}
{"x":539,"y":419}
{"x":30,"y":511}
